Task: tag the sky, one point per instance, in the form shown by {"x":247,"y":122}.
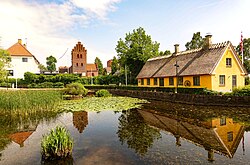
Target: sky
{"x":53,"y":27}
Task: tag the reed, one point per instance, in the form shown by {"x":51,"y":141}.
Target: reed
{"x":57,"y":144}
{"x":29,"y":99}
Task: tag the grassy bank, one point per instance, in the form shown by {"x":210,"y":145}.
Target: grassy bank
{"x":29,"y":99}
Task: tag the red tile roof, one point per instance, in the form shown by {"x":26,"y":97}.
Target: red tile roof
{"x":18,"y":50}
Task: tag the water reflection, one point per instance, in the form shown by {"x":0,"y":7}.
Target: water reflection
{"x":134,"y":131}
{"x":80,"y":120}
{"x":17,"y":126}
{"x":221,"y":135}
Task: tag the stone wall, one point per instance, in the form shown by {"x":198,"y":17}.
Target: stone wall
{"x":185,"y":98}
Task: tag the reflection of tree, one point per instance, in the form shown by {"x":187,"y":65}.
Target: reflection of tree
{"x":135,"y":132}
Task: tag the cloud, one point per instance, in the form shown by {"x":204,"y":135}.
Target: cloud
{"x":49,"y":25}
{"x":99,"y":8}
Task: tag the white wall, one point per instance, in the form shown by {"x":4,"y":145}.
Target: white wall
{"x":19,"y":67}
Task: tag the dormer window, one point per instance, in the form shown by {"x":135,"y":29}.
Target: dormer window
{"x":228,"y":62}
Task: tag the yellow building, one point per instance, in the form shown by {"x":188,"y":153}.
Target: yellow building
{"x":215,"y":66}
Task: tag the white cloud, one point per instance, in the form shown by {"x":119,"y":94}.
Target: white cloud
{"x":99,"y":8}
{"x":47,"y":26}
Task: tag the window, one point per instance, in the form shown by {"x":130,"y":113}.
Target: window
{"x":222,"y":80}
{"x":230,"y":136}
{"x":223,"y":121}
{"x":76,"y":64}
{"x":148,"y":81}
{"x":80,"y":56}
{"x":196,"y":80}
{"x":155,"y":81}
{"x":77,"y":55}
{"x":171,"y":81}
{"x":180,"y":80}
{"x":81,"y":64}
{"x":228,"y":62}
{"x":142,"y":81}
{"x":162,"y":82}
{"x":25,"y":59}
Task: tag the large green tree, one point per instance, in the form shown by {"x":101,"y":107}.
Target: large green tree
{"x":246,"y":49}
{"x":4,"y":62}
{"x":99,"y":65}
{"x":114,"y":65}
{"x":196,"y":42}
{"x":135,"y":50}
{"x":51,"y":63}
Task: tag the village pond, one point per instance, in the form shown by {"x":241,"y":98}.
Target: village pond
{"x":158,"y":133}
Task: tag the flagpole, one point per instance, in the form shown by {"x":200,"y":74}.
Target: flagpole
{"x":242,"y":55}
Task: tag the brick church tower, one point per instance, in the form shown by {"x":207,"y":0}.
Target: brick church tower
{"x":79,"y":59}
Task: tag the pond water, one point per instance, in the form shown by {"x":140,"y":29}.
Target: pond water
{"x":159,"y":133}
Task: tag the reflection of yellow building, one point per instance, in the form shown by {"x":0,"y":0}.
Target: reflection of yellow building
{"x":220,"y":135}
{"x":80,"y":120}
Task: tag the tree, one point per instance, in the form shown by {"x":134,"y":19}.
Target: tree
{"x":246,"y":49}
{"x":167,"y":52}
{"x":135,"y":50}
{"x":42,"y":68}
{"x":196,"y":42}
{"x":51,"y":63}
{"x":4,"y":62}
{"x":99,"y":65}
{"x":114,"y":65}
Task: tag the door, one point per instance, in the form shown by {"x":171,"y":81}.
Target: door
{"x":234,"y":81}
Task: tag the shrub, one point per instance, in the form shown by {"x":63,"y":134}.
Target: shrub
{"x":76,"y":89}
{"x":103,"y":93}
{"x":57,"y":144}
{"x":245,"y":91}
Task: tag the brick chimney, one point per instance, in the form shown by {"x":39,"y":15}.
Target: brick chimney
{"x":20,"y":41}
{"x":208,"y":41}
{"x":176,"y":48}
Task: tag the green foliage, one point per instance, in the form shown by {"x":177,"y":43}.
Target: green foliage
{"x":167,"y":52}
{"x":57,"y":144}
{"x":46,"y":85}
{"x":135,"y":50}
{"x":247,"y":81}
{"x":29,"y":99}
{"x":76,"y":89}
{"x":196,"y":42}
{"x":42,"y":68}
{"x":114,"y":65}
{"x":246,"y":49}
{"x":101,"y":103}
{"x":245,"y":91}
{"x":99,"y":65}
{"x":4,"y":61}
{"x":103,"y":93}
{"x":51,"y":63}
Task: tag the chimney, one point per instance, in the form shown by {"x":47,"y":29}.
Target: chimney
{"x":208,"y":41}
{"x":176,"y":48}
{"x":20,"y":41}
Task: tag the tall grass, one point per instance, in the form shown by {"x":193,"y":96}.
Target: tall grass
{"x":57,"y":144}
{"x":29,"y":99}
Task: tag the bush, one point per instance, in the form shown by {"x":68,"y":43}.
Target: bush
{"x":103,"y":93}
{"x":245,"y":91}
{"x":76,"y":89}
{"x":57,"y":144}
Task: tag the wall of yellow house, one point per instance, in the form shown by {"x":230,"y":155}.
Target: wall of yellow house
{"x":222,"y":69}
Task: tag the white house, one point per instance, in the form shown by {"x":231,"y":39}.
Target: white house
{"x":21,"y":61}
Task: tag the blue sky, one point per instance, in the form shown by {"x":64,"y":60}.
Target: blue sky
{"x":52,"y":27}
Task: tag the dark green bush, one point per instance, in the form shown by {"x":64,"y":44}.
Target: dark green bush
{"x":76,"y":89}
{"x":57,"y":144}
{"x":245,"y":91}
{"x":103,"y":93}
